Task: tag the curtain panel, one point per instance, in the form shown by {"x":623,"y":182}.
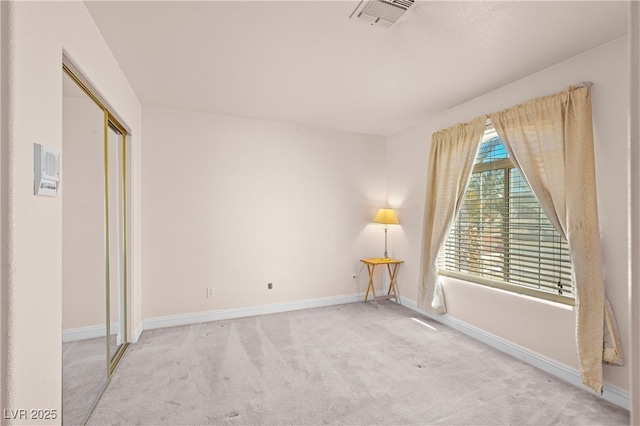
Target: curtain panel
{"x":550,"y":140}
{"x":451,"y":160}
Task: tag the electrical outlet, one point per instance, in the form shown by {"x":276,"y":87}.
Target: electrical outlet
{"x":270,"y":286}
{"x":209,"y":291}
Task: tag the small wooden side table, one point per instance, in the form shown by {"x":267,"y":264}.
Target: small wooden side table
{"x":393,"y":271}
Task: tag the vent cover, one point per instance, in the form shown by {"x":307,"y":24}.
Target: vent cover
{"x":381,"y":12}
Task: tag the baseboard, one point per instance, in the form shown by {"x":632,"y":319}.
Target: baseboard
{"x":200,"y":317}
{"x":83,"y":333}
{"x":610,"y":393}
{"x":137,"y":332}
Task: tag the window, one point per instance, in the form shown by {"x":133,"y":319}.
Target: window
{"x":501,"y":236}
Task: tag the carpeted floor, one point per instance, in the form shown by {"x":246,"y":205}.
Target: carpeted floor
{"x":344,"y":365}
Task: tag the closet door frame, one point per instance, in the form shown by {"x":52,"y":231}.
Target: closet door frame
{"x":110,"y":120}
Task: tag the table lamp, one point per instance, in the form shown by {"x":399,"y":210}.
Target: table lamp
{"x":386,"y":217}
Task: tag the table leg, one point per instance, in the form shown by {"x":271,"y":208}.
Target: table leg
{"x":371,"y":269}
{"x":392,"y":281}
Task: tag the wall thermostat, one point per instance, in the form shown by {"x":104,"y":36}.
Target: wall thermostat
{"x":46,"y":170}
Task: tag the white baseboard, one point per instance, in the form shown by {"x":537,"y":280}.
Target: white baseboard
{"x":137,"y":332}
{"x":610,"y":393}
{"x":91,"y":332}
{"x":200,"y":317}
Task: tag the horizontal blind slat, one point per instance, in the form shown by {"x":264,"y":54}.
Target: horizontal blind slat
{"x":502,"y":232}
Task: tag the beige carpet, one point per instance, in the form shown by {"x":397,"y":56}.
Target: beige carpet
{"x":340,"y":365}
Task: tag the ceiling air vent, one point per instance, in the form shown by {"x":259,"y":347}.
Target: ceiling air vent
{"x":381,"y":12}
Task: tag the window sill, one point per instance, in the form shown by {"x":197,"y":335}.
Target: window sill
{"x":522,"y":291}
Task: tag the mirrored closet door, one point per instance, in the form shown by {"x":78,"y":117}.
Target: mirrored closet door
{"x":94,"y":267}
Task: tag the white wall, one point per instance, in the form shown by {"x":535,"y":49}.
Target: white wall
{"x":634,"y":220}
{"x":234,"y":204}
{"x":542,"y":327}
{"x":258,"y":202}
{"x":3,"y":144}
{"x":37,"y":35}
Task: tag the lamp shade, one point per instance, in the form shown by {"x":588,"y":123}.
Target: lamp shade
{"x":387,"y":217}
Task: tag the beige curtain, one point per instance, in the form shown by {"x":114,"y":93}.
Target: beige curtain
{"x":550,"y":140}
{"x":451,"y":159}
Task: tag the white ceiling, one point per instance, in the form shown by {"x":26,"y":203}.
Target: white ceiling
{"x":306,"y":62}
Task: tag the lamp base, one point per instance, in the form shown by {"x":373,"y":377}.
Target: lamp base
{"x":385,"y":243}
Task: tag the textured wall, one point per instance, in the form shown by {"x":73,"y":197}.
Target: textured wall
{"x":3,"y":215}
{"x":37,"y":35}
{"x":234,"y":204}
{"x":634,"y":191}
